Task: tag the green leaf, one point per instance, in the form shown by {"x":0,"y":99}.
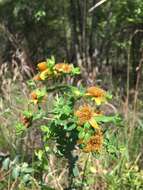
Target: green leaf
{"x":76,"y":92}
{"x":87,"y":136}
{"x":39,"y":154}
{"x":86,"y":125}
{"x":79,"y":128}
{"x":26,"y":178}
{"x":109,"y":95}
{"x":45,"y":129}
{"x":31,"y":83}
{"x":16,"y":172}
{"x":76,"y":71}
{"x":26,"y":169}
{"x":75,"y":171}
{"x":71,"y":127}
{"x":5,"y":164}
{"x":81,"y":134}
{"x":38,"y":115}
{"x":39,"y":14}
{"x":51,"y":62}
{"x":106,"y":119}
{"x":27,"y":113}
{"x":41,"y":93}
{"x":20,"y":128}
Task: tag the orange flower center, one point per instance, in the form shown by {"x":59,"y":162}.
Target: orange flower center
{"x":95,"y":91}
{"x":84,"y":114}
{"x":33,"y":96}
{"x":94,"y":143}
{"x":42,"y":66}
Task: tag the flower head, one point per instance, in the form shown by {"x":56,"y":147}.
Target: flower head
{"x":86,"y":114}
{"x":42,"y":66}
{"x":94,"y":143}
{"x":63,"y":67}
{"x":34,"y":97}
{"x":38,"y":95}
{"x":37,"y":77}
{"x":98,"y":94}
{"x":44,"y":74}
{"x":26,"y":121}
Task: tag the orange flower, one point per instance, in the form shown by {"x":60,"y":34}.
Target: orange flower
{"x":37,"y":78}
{"x":63,"y":67}
{"x":94,"y":143}
{"x":42,"y":66}
{"x":34,"y":97}
{"x":86,"y":114}
{"x":44,"y":74}
{"x":98,"y":94}
{"x":26,"y":121}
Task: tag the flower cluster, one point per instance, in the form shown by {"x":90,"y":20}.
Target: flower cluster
{"x":97,"y":94}
{"x":86,"y":120}
{"x":87,"y":115}
{"x":49,"y":69}
{"x":38,"y":95}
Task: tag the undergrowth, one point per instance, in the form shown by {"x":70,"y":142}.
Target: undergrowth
{"x":60,"y":136}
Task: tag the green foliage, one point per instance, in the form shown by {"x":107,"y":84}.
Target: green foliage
{"x":130,"y":178}
{"x":41,"y":28}
{"x":20,"y":128}
{"x":17,"y":171}
{"x":73,"y":120}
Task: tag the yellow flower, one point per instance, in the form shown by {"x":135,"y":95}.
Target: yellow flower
{"x":44,"y":74}
{"x":42,"y":66}
{"x":34,"y":97}
{"x":95,"y":142}
{"x":97,"y":94}
{"x":63,"y":67}
{"x":86,"y":114}
{"x":37,"y":78}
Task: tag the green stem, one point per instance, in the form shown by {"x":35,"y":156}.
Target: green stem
{"x":84,"y":171}
{"x":58,"y":87}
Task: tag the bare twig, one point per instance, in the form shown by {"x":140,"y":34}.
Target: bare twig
{"x":96,"y":5}
{"x":139,"y":72}
{"x":128,"y":69}
{"x":13,"y":186}
{"x":138,"y":69}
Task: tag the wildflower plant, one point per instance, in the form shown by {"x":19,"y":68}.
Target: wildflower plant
{"x":69,"y":117}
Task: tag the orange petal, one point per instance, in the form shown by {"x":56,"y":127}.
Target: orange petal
{"x":37,"y":78}
{"x":42,"y":66}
